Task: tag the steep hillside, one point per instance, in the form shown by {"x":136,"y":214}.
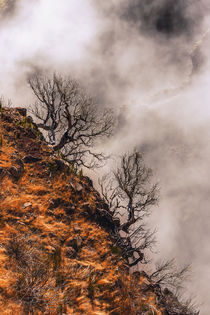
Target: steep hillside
{"x":57,"y":254}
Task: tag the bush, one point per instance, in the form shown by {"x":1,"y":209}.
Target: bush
{"x":34,"y":288}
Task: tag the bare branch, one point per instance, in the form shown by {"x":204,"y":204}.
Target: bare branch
{"x":74,"y":121}
{"x":128,"y":193}
{"x":167,"y":274}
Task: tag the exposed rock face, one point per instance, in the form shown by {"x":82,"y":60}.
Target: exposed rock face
{"x":31,"y":159}
{"x":21,"y":111}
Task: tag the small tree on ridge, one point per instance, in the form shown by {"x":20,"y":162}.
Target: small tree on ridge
{"x":129,"y":194}
{"x":74,"y":121}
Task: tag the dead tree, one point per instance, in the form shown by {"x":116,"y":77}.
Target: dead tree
{"x":175,"y":304}
{"x":130,"y":196}
{"x":167,"y":274}
{"x":75,"y":123}
{"x":171,"y":278}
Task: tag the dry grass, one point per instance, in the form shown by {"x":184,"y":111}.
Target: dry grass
{"x":37,"y":273}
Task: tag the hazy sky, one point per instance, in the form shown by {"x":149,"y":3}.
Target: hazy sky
{"x":149,"y":60}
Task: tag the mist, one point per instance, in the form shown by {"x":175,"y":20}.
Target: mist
{"x":149,"y":61}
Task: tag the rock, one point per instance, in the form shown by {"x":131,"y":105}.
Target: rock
{"x":52,"y":235}
{"x":77,"y":229}
{"x":27,"y":204}
{"x":167,"y":292}
{"x":50,"y":212}
{"x":76,"y":186}
{"x":68,"y":207}
{"x":105,"y":219}
{"x":136,"y":276}
{"x":3,"y":173}
{"x":14,"y":173}
{"x":7,"y":117}
{"x":20,"y":164}
{"x":21,"y":223}
{"x":70,"y":252}
{"x":86,"y":208}
{"x":59,"y":217}
{"x":31,"y":159}
{"x":75,"y":242}
{"x":54,"y":203}
{"x":51,"y":249}
{"x":79,"y":188}
{"x":88,"y":181}
{"x":42,"y":192}
{"x":30,"y":119}
{"x":21,"y":111}
{"x":60,"y":165}
{"x":69,"y":210}
{"x":79,"y":241}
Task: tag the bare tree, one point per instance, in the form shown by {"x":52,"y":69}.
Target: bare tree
{"x":175,"y":304}
{"x":171,"y":278}
{"x":129,"y":194}
{"x":129,"y":189}
{"x":73,"y":120}
{"x":167,"y":274}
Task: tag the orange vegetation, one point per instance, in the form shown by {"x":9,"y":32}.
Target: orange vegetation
{"x":45,"y":208}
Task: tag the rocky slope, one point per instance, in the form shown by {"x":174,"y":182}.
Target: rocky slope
{"x":57,"y":253}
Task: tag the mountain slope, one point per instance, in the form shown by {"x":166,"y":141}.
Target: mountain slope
{"x":57,"y":253}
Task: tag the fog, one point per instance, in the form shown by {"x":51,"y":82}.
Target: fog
{"x":149,"y":60}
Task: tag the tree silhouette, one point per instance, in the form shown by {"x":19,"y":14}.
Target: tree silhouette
{"x":75,"y":123}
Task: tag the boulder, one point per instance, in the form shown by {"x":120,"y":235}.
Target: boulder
{"x":31,"y":159}
{"x":55,"y":203}
{"x":16,"y":172}
{"x":22,"y":111}
{"x":27,"y":204}
{"x":60,"y":165}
